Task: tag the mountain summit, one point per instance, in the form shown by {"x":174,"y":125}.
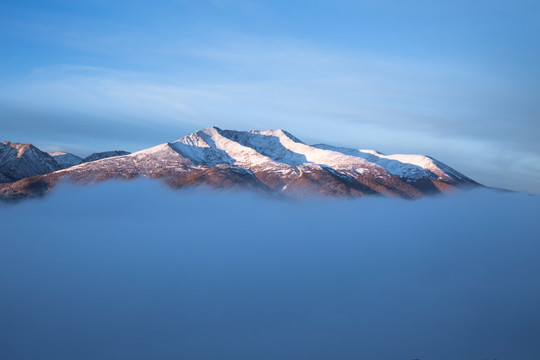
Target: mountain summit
{"x":18,"y":161}
{"x":271,"y":161}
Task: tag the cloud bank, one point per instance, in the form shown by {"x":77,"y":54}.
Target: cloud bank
{"x":134,"y":270}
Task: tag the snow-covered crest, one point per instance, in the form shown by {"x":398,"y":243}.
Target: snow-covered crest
{"x":213,"y":146}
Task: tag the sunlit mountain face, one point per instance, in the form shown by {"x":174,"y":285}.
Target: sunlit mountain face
{"x":271,"y":161}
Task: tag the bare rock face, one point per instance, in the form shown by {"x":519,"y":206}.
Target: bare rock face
{"x":19,"y":161}
{"x":271,"y":161}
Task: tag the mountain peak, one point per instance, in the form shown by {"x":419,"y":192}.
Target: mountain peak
{"x":21,"y":148}
{"x":276,"y":147}
{"x":18,"y":161}
{"x":279,"y":133}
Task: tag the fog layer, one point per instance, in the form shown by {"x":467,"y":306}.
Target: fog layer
{"x":136,"y":271}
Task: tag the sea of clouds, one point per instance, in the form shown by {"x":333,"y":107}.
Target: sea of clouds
{"x":134,"y":270}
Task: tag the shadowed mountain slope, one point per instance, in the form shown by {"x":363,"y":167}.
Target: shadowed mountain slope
{"x":65,"y":159}
{"x":104,"y":155}
{"x":18,"y":161}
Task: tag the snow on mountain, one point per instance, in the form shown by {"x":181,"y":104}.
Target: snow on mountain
{"x":65,"y":159}
{"x":271,"y":161}
{"x":404,"y":166}
{"x":18,"y":161}
{"x":214,"y":146}
{"x":160,"y":159}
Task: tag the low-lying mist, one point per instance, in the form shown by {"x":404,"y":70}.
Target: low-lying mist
{"x":137,"y":271}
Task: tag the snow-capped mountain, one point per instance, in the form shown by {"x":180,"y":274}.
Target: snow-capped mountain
{"x":18,"y":161}
{"x":272,"y":161}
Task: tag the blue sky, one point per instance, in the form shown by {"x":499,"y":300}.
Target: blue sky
{"x":457,"y":80}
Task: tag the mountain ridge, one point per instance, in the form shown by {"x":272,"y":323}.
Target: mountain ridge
{"x":271,"y":161}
